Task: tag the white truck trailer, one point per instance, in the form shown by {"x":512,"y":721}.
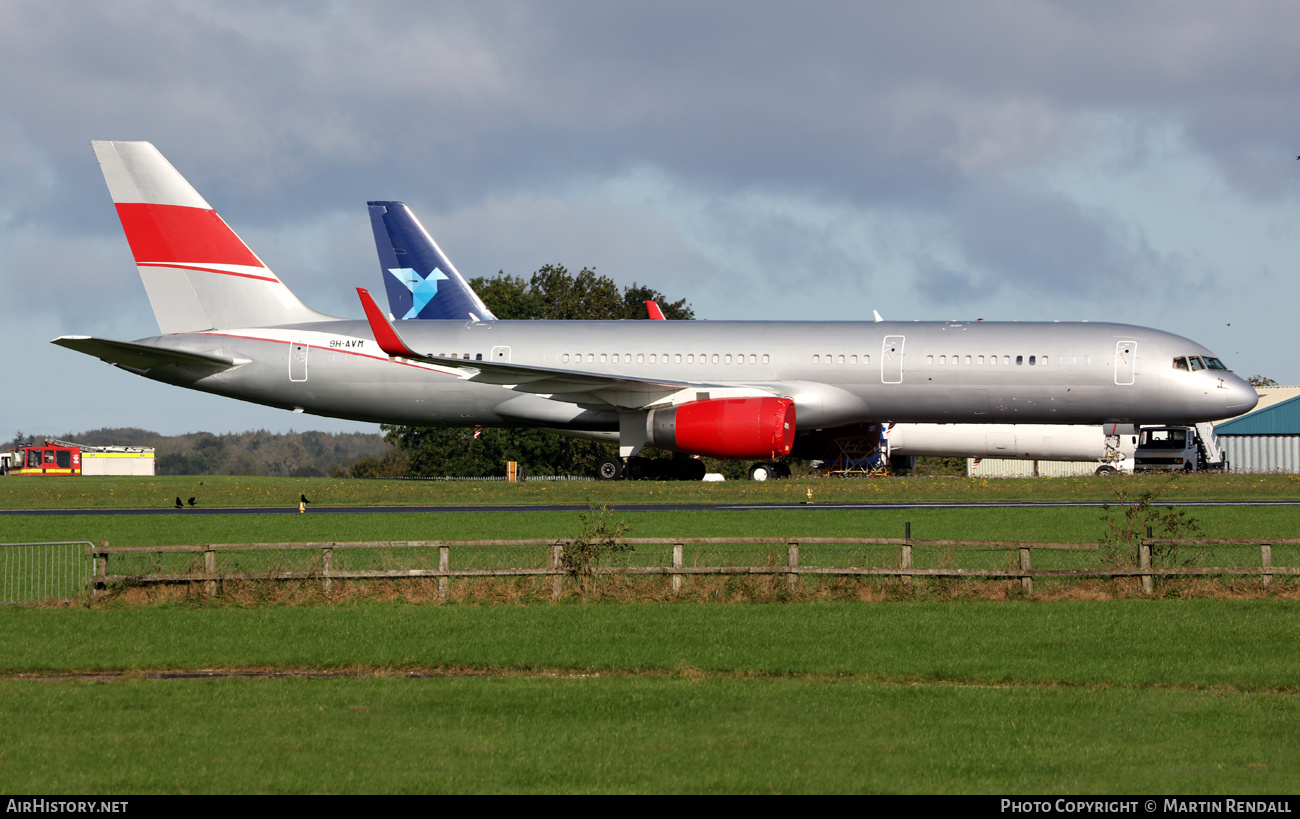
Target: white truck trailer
{"x":1110,"y":447}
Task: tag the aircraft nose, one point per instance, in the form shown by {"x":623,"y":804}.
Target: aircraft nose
{"x":1241,"y":397}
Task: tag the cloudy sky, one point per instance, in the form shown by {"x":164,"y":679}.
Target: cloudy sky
{"x":1025,"y":160}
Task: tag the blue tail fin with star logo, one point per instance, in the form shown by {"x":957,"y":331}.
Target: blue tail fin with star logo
{"x":421,"y":282}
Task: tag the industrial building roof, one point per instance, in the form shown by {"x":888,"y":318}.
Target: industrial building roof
{"x":1276,"y":418}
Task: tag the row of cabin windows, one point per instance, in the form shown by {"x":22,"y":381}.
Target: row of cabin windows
{"x":839,"y":359}
{"x":664,"y":358}
{"x":726,"y":358}
{"x":992,"y":360}
{"x":979,"y":360}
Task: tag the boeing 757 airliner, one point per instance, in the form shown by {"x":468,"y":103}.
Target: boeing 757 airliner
{"x":726,"y":389}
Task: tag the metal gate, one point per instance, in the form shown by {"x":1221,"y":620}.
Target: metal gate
{"x":31,"y":572}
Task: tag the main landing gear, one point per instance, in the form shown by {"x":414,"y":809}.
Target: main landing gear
{"x":768,"y":471}
{"x":650,"y":469}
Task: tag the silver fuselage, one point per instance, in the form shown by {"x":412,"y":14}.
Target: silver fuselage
{"x":838,"y":373}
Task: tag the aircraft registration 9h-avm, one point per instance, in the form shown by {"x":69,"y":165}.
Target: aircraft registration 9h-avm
{"x":752,"y":390}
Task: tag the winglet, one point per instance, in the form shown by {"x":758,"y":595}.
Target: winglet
{"x":652,"y":307}
{"x":385,"y":334}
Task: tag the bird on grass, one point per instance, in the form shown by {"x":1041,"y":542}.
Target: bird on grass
{"x":303,"y":499}
{"x":179,"y":505}
{"x":191,"y":502}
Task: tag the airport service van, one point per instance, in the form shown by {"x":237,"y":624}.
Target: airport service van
{"x":1178,"y":449}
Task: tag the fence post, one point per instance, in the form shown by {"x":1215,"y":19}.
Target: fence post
{"x":1144,"y":561}
{"x":557,"y":562}
{"x":792,"y":561}
{"x":1266,"y":560}
{"x":101,"y":569}
{"x":444,"y":565}
{"x":907,"y":553}
{"x":209,"y":568}
{"x":1026,"y":583}
{"x":327,"y":565}
{"x":677,"y":564}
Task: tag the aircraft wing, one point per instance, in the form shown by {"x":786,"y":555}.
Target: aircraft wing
{"x":143,"y":357}
{"x":573,"y":386}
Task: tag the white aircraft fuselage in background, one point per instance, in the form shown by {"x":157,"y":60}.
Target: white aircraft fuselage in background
{"x":232,"y":328}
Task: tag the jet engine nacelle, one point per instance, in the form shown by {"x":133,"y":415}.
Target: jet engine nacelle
{"x":726,"y":427}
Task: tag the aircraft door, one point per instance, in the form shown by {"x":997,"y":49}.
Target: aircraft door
{"x":297,"y":361}
{"x":1125,"y":362}
{"x":891,"y":360}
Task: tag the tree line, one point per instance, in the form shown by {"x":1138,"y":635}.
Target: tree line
{"x":258,"y":452}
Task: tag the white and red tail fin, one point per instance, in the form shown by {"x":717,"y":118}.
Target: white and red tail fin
{"x":198,"y":273}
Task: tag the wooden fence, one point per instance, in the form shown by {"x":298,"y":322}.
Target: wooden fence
{"x":792,"y":569}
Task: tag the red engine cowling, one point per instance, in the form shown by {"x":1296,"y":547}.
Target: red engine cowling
{"x":726,"y":427}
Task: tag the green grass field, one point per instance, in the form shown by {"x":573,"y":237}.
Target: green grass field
{"x":1120,"y":697}
{"x":221,"y":491}
{"x":923,"y":694}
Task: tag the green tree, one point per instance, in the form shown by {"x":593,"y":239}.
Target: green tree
{"x":635,"y":297}
{"x":508,"y":297}
{"x":1261,"y":381}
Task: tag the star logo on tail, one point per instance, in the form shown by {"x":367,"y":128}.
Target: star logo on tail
{"x":422,"y":289}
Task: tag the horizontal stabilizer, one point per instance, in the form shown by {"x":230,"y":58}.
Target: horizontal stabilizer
{"x":143,"y":357}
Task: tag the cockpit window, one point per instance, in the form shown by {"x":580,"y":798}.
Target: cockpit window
{"x":1192,"y":363}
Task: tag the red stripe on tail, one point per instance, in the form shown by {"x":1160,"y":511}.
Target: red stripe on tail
{"x":171,"y":233}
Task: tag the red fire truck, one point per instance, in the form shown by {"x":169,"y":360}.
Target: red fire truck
{"x":46,"y":459}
